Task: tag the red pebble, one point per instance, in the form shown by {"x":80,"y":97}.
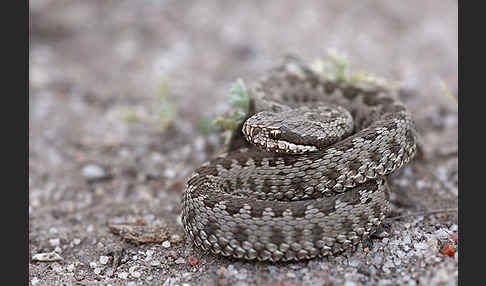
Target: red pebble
{"x":449,"y":250}
{"x":455,"y":237}
{"x":193,"y":260}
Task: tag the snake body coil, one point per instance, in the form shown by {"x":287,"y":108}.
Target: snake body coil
{"x":310,"y":179}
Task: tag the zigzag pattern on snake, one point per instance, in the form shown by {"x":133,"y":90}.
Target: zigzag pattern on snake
{"x":307,"y":175}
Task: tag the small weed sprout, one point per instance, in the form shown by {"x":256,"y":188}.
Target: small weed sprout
{"x":240,"y":102}
{"x":336,"y":68}
{"x":164,"y":109}
{"x":447,"y":92}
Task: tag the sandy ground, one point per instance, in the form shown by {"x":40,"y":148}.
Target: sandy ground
{"x":100,"y":157}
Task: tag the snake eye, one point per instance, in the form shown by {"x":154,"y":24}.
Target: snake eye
{"x":275,"y":134}
{"x":255,"y":131}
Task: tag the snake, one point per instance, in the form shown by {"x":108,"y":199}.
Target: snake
{"x":306,"y":174}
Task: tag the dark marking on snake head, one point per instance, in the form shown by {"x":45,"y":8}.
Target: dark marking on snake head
{"x":210,"y":170}
{"x":224,"y":162}
{"x":370,"y":136}
{"x":210,"y":201}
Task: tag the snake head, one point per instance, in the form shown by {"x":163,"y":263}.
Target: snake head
{"x":298,"y":130}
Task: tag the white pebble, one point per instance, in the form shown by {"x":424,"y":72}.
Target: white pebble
{"x":166,"y":244}
{"x":180,"y":260}
{"x":123,"y":275}
{"x":93,"y":172}
{"x":104,"y":259}
{"x":54,"y":242}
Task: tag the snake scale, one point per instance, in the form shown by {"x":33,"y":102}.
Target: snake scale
{"x":307,"y":176}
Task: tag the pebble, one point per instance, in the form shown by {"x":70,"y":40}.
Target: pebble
{"x":180,"y":260}
{"x":46,"y":257}
{"x":70,"y":268}
{"x":150,"y":252}
{"x":166,"y":244}
{"x":97,"y":270}
{"x":93,"y":172}
{"x":175,"y":238}
{"x":76,"y":241}
{"x":290,"y":275}
{"x":123,"y":275}
{"x":104,"y":259}
{"x":54,"y":242}
{"x":155,"y":263}
{"x":172,"y":253}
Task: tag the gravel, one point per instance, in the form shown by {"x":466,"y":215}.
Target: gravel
{"x":100,"y":154}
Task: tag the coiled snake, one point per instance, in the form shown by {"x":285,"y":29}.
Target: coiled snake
{"x":313,"y":180}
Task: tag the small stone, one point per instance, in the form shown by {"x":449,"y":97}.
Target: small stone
{"x":97,"y":270}
{"x":93,"y":172}
{"x":123,"y":275}
{"x":70,"y":268}
{"x":54,"y":242}
{"x":175,"y":238}
{"x":76,"y":241}
{"x":166,"y":244}
{"x":448,"y":250}
{"x":180,"y":260}
{"x":46,"y":257}
{"x":241,"y":275}
{"x":193,"y":261}
{"x":349,"y":283}
{"x":290,"y":275}
{"x":172,"y":253}
{"x":150,"y":252}
{"x":136,"y":274}
{"x":92,"y":264}
{"x":221,"y":272}
{"x":34,"y":281}
{"x":104,"y":259}
{"x":155,"y":263}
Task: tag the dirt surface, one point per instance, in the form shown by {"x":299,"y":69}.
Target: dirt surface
{"x":104,"y":170}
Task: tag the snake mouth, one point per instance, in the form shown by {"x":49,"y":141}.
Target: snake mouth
{"x":268,"y":139}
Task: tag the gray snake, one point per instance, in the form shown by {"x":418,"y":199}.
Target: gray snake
{"x":308,"y":177}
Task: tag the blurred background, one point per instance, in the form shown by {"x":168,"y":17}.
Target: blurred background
{"x":120,"y":94}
